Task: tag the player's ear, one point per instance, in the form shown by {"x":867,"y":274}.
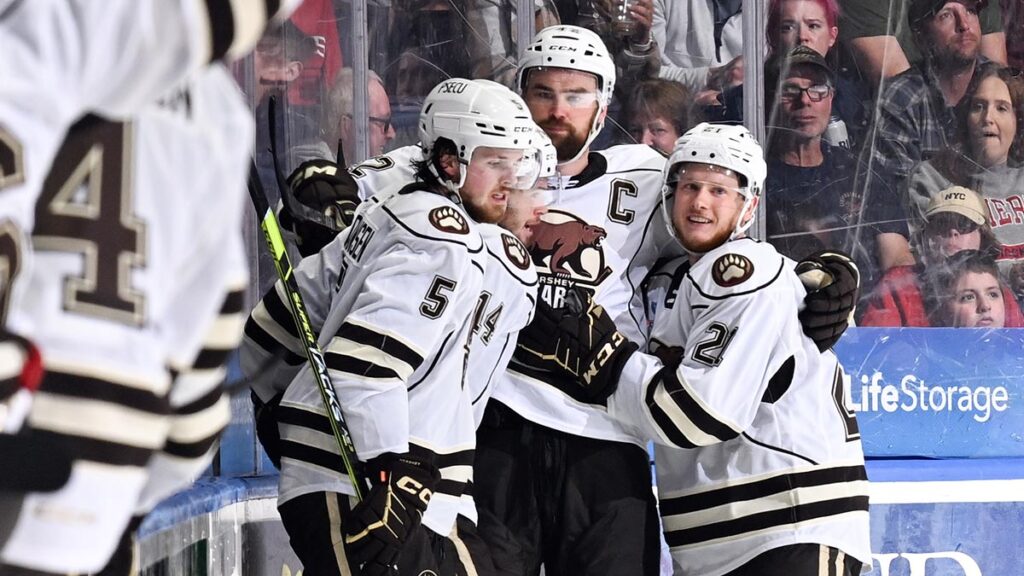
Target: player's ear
{"x":450,"y":166}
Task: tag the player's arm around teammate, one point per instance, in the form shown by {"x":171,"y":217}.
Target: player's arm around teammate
{"x":758,"y":410}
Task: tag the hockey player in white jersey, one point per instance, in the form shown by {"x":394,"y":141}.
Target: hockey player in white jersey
{"x":578,"y":498}
{"x":155,"y":282}
{"x":760,"y":466}
{"x":123,"y":307}
{"x":394,"y":298}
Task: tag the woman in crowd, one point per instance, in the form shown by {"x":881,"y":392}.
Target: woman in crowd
{"x":987,"y":158}
{"x":657,"y":113}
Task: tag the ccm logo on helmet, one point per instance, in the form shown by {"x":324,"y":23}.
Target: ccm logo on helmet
{"x":452,"y":88}
{"x":563,"y":48}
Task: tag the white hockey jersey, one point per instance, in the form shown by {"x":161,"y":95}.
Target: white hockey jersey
{"x":602,"y":234}
{"x":387,"y":173}
{"x":135,"y":302}
{"x":506,"y":305}
{"x":62,"y":59}
{"x":773,"y":455}
{"x":392,"y":298}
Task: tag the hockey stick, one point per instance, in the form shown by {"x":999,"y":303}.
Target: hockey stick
{"x":296,"y":210}
{"x":275,"y":243}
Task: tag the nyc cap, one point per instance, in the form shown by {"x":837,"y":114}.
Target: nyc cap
{"x":959,"y":200}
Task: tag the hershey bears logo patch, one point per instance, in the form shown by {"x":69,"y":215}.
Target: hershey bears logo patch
{"x":448,"y":219}
{"x":731,"y":269}
{"x":516,"y":252}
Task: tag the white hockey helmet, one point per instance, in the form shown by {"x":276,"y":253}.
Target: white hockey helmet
{"x":572,"y":48}
{"x":475,"y":113}
{"x":727,"y":146}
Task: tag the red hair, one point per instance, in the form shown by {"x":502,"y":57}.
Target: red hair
{"x":831,"y":8}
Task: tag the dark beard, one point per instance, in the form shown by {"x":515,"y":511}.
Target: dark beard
{"x":570,"y":146}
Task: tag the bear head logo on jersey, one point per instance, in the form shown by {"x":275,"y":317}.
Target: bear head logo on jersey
{"x":731,"y":269}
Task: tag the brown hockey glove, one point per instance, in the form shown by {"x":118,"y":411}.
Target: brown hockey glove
{"x":325,"y":200}
{"x":833,"y":286}
{"x":379,"y":526}
{"x":579,"y":342}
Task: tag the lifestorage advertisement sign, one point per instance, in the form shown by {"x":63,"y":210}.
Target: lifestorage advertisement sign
{"x":936,"y":392}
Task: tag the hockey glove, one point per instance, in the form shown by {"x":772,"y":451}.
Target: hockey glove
{"x":583,"y":345}
{"x":269,"y":435}
{"x":327,"y":198}
{"x":833,"y":286}
{"x":380,"y":525}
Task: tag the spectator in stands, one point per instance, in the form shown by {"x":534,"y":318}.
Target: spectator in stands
{"x":811,"y":23}
{"x":882,"y":46}
{"x":701,"y":44}
{"x":656,"y":113}
{"x":957,"y":220}
{"x":628,"y":37}
{"x":967,"y":293}
{"x":987,"y":157}
{"x":810,"y":191}
{"x":915,"y":113}
{"x":341,"y":124}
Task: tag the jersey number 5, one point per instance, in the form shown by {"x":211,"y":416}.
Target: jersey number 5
{"x":86,"y":207}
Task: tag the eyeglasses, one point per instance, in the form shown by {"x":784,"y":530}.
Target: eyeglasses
{"x":944,"y":224}
{"x":816,"y":93}
{"x":384,"y":123}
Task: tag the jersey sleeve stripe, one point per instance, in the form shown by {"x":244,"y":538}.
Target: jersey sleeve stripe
{"x":680,"y":416}
{"x":198,"y":427}
{"x":250,"y":20}
{"x":222,"y":27}
{"x":386,"y":343}
{"x":364,"y":355}
{"x":277,"y":310}
{"x":311,"y":455}
{"x":85,"y":387}
{"x":211,"y":358}
{"x":91,"y":418}
{"x":113,"y":453}
{"x":304,"y":419}
{"x":202,"y":403}
{"x":271,"y":345}
{"x":191,"y":450}
{"x":359,"y":367}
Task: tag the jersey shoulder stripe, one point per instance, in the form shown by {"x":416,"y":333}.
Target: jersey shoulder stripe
{"x":430,"y":216}
{"x":736,"y":268}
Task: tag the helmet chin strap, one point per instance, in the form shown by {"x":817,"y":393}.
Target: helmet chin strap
{"x":742,"y":227}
